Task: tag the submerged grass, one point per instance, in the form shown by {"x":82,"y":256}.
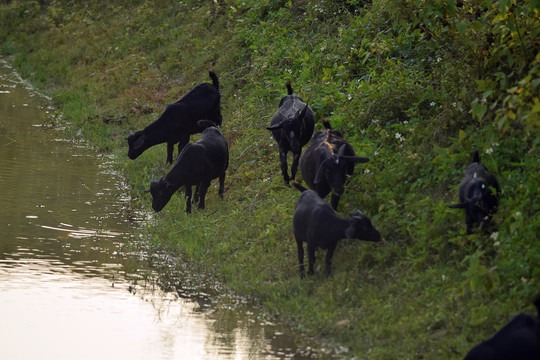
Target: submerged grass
{"x":416,"y":86}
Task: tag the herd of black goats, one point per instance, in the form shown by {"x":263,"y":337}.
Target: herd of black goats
{"x":324,"y":165}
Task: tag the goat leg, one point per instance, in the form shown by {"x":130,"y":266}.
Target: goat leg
{"x":300,"y":247}
{"x":221,"y":185}
{"x":335,"y":200}
{"x":328,"y":259}
{"x":469,"y":220}
{"x":203,"y":188}
{"x":294,"y":166}
{"x":283,"y":160}
{"x":184,"y":139}
{"x":188,"y":199}
{"x":311,"y":258}
{"x":197,"y":193}
{"x":170,"y":148}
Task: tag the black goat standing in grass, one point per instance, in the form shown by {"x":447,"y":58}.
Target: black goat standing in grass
{"x":317,"y":224}
{"x":292,"y":127}
{"x":475,"y":195}
{"x":519,"y":339}
{"x":198,"y":164}
{"x":327,"y":161}
{"x":179,"y":120}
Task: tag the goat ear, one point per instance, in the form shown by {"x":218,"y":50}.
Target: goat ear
{"x":139,"y":142}
{"x":320,"y":173}
{"x":275,"y":127}
{"x":458,"y":206}
{"x":358,"y":159}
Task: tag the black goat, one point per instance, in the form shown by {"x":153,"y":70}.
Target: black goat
{"x":519,"y":339}
{"x":318,"y":225}
{"x":179,"y":120}
{"x":327,"y":161}
{"x":292,"y":126}
{"x":198,"y":164}
{"x":475,"y":195}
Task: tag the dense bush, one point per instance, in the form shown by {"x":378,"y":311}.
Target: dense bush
{"x":415,"y":85}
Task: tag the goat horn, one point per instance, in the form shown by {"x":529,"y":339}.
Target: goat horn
{"x":341,"y":150}
{"x":303,"y":112}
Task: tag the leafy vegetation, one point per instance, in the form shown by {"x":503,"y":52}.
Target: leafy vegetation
{"x":415,"y":85}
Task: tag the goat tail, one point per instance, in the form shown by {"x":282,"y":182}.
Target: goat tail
{"x":326,"y":124}
{"x":289,"y":88}
{"x":299,"y":187}
{"x":215,"y":80}
{"x":476,"y":156}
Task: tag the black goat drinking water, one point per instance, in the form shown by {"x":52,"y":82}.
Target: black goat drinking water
{"x":519,"y":339}
{"x":198,"y":164}
{"x":179,"y":120}
{"x":327,"y":161}
{"x":318,"y":225}
{"x":292,"y":126}
{"x":475,"y":195}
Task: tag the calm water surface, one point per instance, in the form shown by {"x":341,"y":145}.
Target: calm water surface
{"x":65,"y":271}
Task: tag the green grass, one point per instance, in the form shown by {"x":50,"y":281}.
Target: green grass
{"x":415,"y":85}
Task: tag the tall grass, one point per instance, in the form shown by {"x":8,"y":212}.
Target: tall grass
{"x":416,"y":86}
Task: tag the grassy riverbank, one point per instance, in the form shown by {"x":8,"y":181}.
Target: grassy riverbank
{"x":415,"y":85}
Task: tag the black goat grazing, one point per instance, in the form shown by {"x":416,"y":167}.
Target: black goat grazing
{"x":519,"y":339}
{"x":327,"y":161}
{"x":475,"y":195}
{"x":198,"y":164}
{"x":318,"y":225}
{"x":179,"y":120}
{"x":292,"y":126}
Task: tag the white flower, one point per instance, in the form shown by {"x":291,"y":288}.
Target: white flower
{"x":489,"y":150}
{"x":349,"y":97}
{"x":432,"y":103}
{"x":494,"y":236}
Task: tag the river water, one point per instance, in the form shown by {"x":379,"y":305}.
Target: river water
{"x":70,"y":287}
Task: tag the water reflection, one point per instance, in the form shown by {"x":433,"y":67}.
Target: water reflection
{"x":65,"y":269}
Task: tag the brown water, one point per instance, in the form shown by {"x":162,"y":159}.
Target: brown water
{"x":66,"y":273}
